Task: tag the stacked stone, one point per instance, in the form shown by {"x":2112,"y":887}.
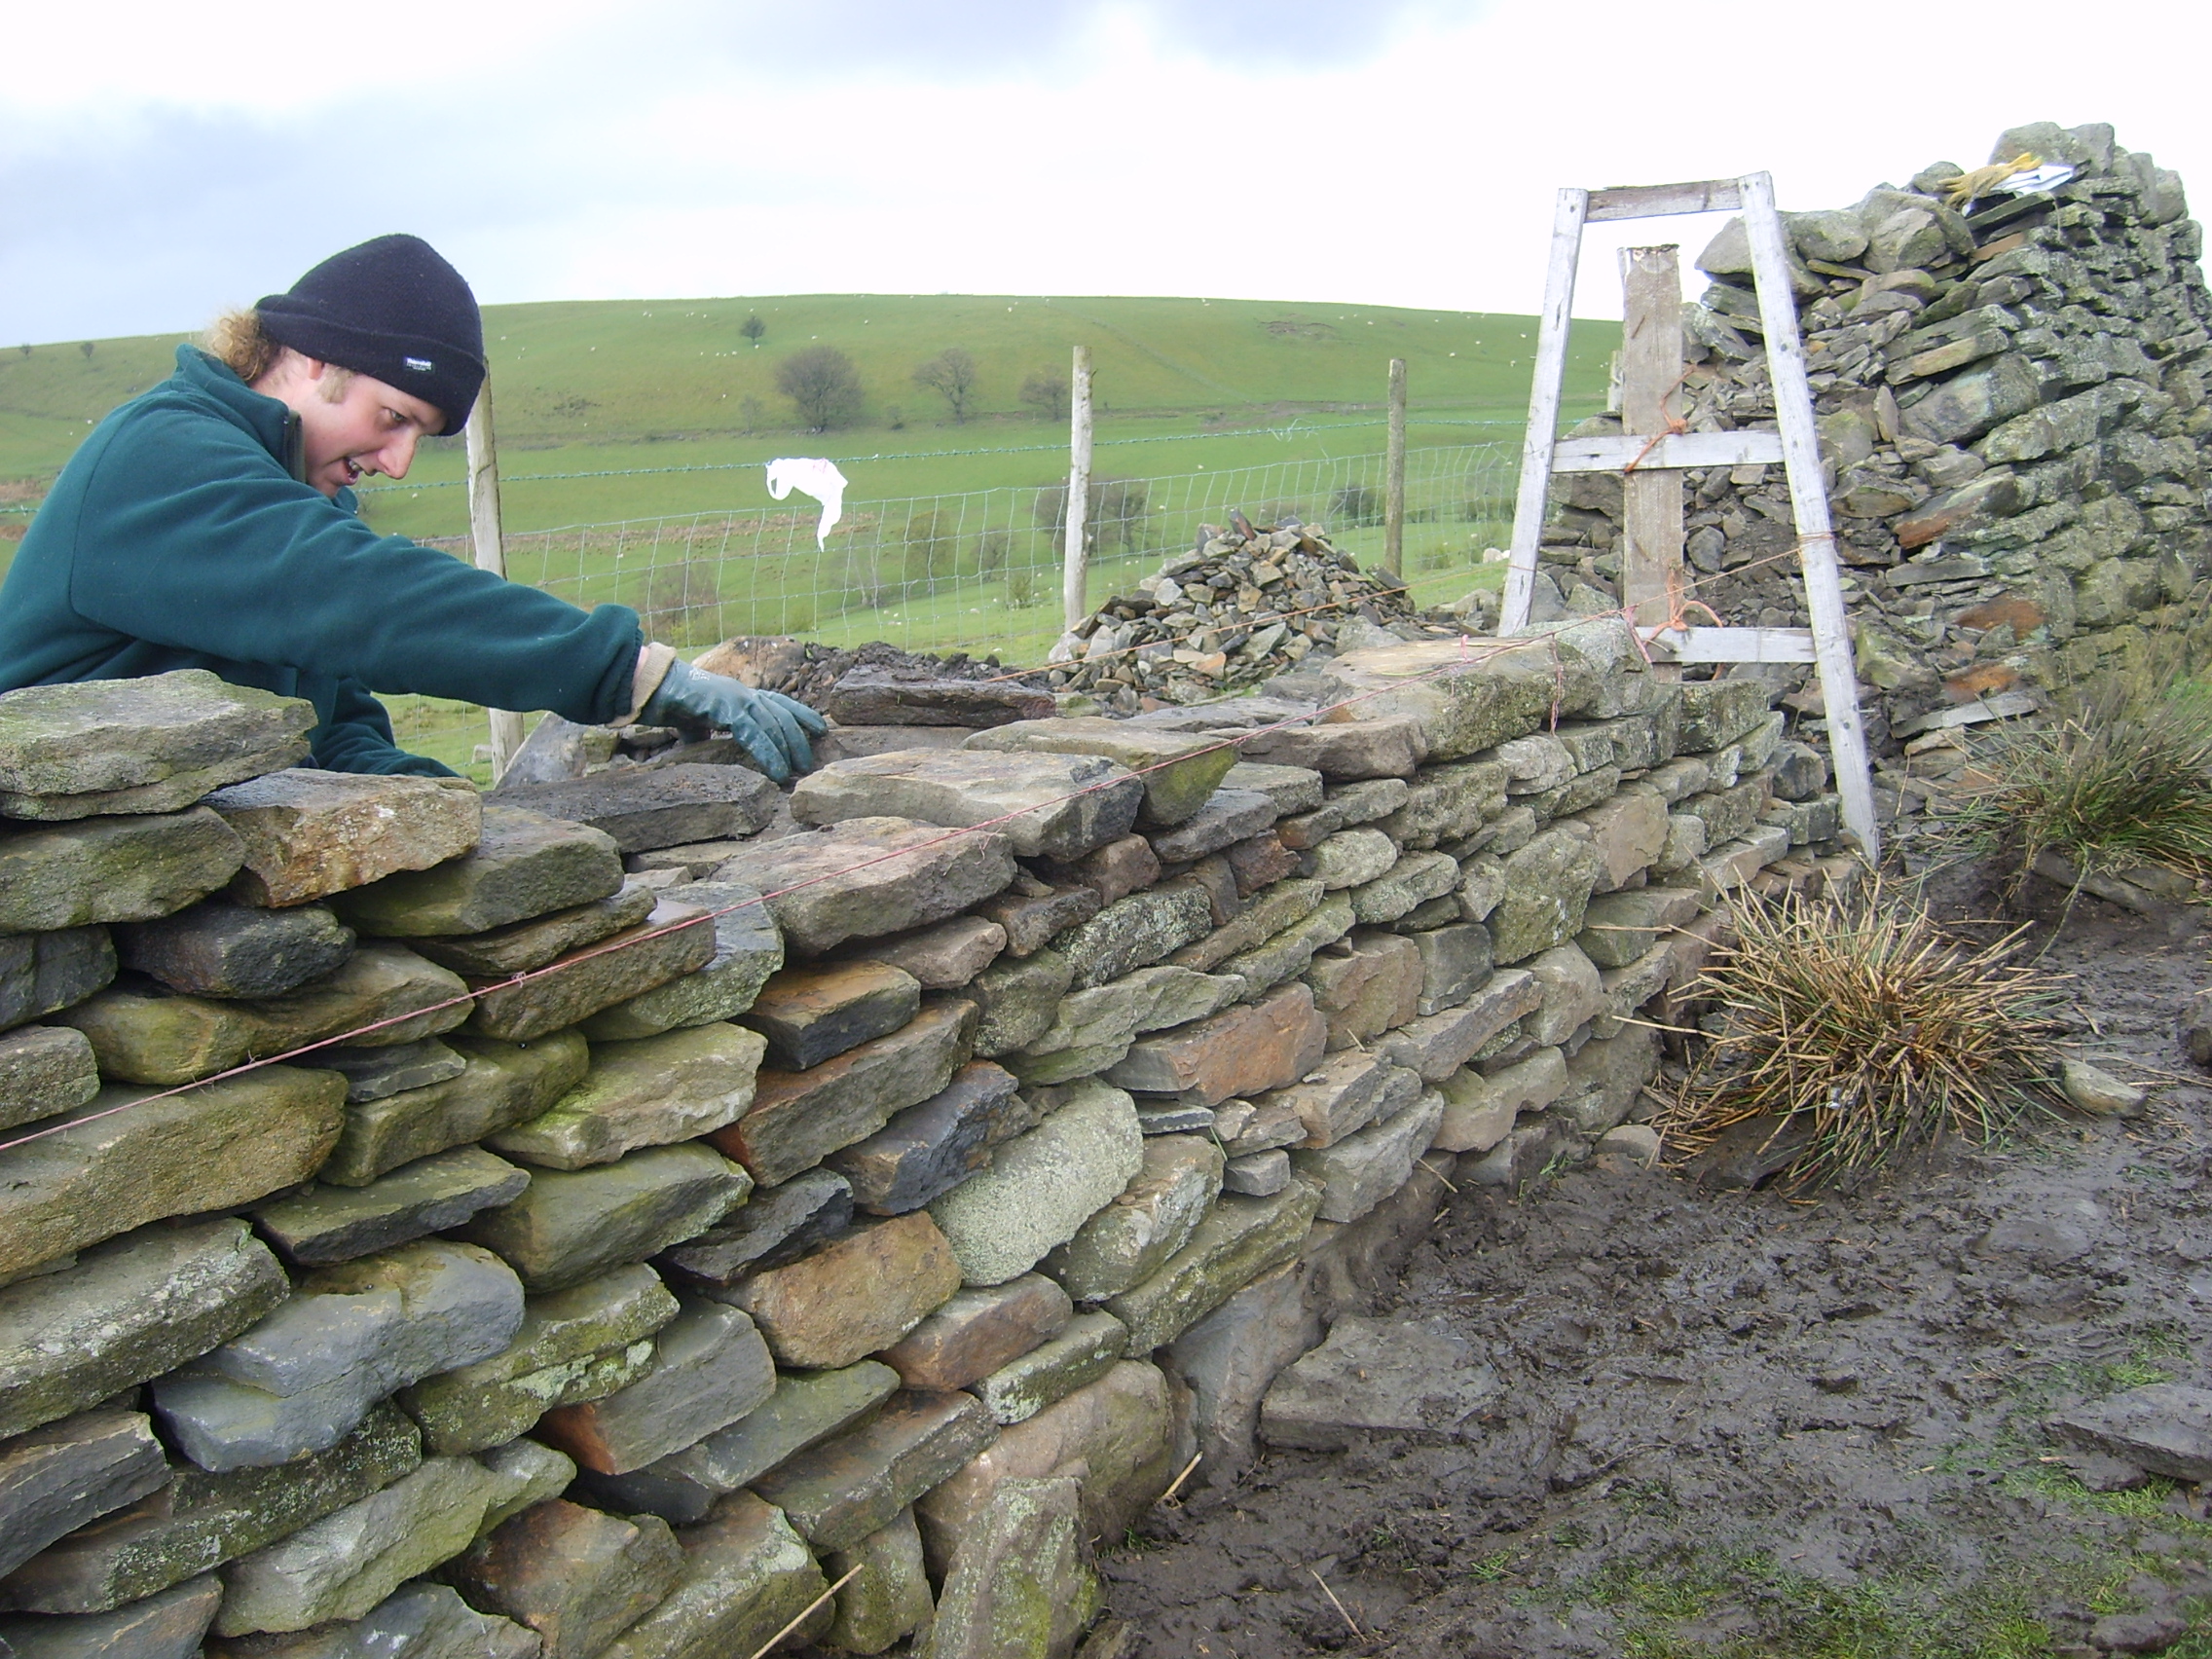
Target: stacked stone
{"x":903,"y":1179}
{"x":2011,"y":404}
{"x":1246,"y":605}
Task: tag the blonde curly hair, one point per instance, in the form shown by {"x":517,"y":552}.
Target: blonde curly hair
{"x":237,"y":339}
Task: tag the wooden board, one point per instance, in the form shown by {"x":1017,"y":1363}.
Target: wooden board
{"x":1731,"y":644}
{"x":1549,"y":376}
{"x":1659,"y":200}
{"x":1674,"y":450}
{"x":1651,"y":378}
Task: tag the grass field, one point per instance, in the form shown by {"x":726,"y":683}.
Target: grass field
{"x":633,"y":436}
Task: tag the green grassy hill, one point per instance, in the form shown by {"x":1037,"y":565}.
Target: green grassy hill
{"x":612,"y":387}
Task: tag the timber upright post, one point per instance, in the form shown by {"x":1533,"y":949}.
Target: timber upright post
{"x":1651,"y":371}
{"x":1394,"y":480}
{"x":1074,"y":563}
{"x":491,"y":550}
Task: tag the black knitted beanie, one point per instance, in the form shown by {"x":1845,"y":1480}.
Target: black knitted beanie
{"x":392,"y":308}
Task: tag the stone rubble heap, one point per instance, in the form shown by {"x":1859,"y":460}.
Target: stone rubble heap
{"x":926,"y":1217}
{"x":2011,"y":402}
{"x":1246,"y":605}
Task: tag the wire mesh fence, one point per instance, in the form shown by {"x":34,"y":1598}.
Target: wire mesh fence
{"x":979,"y":571}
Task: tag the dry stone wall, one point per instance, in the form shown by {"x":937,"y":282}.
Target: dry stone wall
{"x":2011,"y":407}
{"x":704,"y":1193}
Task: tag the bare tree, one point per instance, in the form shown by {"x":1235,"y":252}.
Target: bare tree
{"x":750,"y":412}
{"x":1047,"y":393}
{"x":86,"y":349}
{"x":753,"y":329}
{"x":951,"y":375}
{"x":823,"y":385}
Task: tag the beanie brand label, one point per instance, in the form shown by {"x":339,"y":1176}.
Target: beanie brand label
{"x":420,"y":365}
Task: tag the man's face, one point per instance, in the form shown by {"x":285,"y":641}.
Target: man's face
{"x":360,"y":426}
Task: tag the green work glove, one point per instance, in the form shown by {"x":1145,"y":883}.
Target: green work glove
{"x":772,"y":727}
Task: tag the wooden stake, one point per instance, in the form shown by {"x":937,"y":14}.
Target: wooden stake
{"x":1074,"y":563}
{"x":1548,"y":379}
{"x":1651,"y":371}
{"x":491,"y":549}
{"x":1394,"y":474}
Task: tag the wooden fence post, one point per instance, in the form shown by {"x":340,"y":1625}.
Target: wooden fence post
{"x":1073,"y":604}
{"x":491,"y":550}
{"x":1394,"y":481}
{"x":1651,"y":371}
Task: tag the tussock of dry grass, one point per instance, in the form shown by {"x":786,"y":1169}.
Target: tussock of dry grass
{"x":1866,"y":1025}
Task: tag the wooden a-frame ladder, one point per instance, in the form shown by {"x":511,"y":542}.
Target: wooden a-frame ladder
{"x":1652,"y":456}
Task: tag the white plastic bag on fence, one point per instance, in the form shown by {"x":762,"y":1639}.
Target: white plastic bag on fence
{"x":819,"y":479}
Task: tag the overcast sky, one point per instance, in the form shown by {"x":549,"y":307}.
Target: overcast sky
{"x":160,"y":162}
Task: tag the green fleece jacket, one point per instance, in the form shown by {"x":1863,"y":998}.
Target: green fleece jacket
{"x":177,"y":537}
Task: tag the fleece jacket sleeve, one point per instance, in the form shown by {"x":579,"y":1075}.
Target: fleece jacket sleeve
{"x":357,"y":738}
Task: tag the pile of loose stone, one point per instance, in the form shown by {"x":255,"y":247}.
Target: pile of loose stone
{"x":838,"y":1190}
{"x":1248,"y":604}
{"x":2011,"y":404}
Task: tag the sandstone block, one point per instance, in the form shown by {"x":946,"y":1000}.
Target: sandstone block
{"x":1043,"y":1184}
{"x":746,"y":1576}
{"x":1256,"y":1174}
{"x":777,"y":1225}
{"x":1136,"y":932}
{"x":1715,"y":712}
{"x":1289,"y":952}
{"x":336,"y":1223}
{"x":167,"y":1626}
{"x":570,"y":1227}
{"x":1351,"y":858}
{"x":56,"y":1478}
{"x":1240,"y":1239}
{"x":344,"y":1565}
{"x":1229,"y":816}
{"x":1343,"y":805}
{"x":1280,"y":907}
{"x":978,"y":1331}
{"x":1093,"y":1029}
{"x":1619,"y":927}
{"x":198,"y":1521}
{"x":1244,"y":1127}
{"x":1292,"y":789}
{"x":798,"y":1119}
{"x":1572,"y":992}
{"x":839,"y":1492}
{"x":891,"y":1598}
{"x":708,"y":1368}
{"x":648,"y":807}
{"x":1508,"y":692}
{"x":416,"y":1621}
{"x":1046,"y":806}
{"x":1627,"y":989}
{"x":870,"y":876}
{"x":1454,"y":960}
{"x":1376,"y":1375}
{"x":374,"y":1074}
{"x":1441,"y":1043}
{"x":113,"y":870}
{"x":1606,"y":1074}
{"x":309,"y":833}
{"x":1361,"y":1170}
{"x":1410,"y":882}
{"x":1340,"y":1094}
{"x":520,"y":947}
{"x":1148,"y":1221}
{"x":577,"y":1576}
{"x":747,"y":948}
{"x":1016,"y":1000}
{"x":43,"y":1070}
{"x":1260,"y":863}
{"x":1113,"y":871}
{"x":128,"y":1310}
{"x":138,"y":745}
{"x":1031,"y":912}
{"x":807,"y":1407}
{"x":1244,"y":1051}
{"x":1342,"y":749}
{"x":861,"y":1293}
{"x":651,"y":1093}
{"x":932,"y":1148}
{"x":812,"y":1014}
{"x":303,"y":1378}
{"x":1120,"y":1437}
{"x":573,"y":1345}
{"x":1180,"y":770}
{"x":1366,"y":986}
{"x":1628,"y":832}
{"x":675,"y":940}
{"x":1089,"y":1348}
{"x":1448,"y":803}
{"x":500,"y":1083}
{"x":210,"y":1148}
{"x":1547,"y":888}
{"x":524,"y":866}
{"x":943,"y":957}
{"x":219,"y":949}
{"x":873,"y":698}
{"x":1020,"y":1583}
{"x":1479,"y":1109}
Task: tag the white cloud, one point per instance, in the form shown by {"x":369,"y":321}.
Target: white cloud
{"x":679,"y":146}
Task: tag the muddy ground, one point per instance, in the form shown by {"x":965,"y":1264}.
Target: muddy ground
{"x":1742,"y":1423}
